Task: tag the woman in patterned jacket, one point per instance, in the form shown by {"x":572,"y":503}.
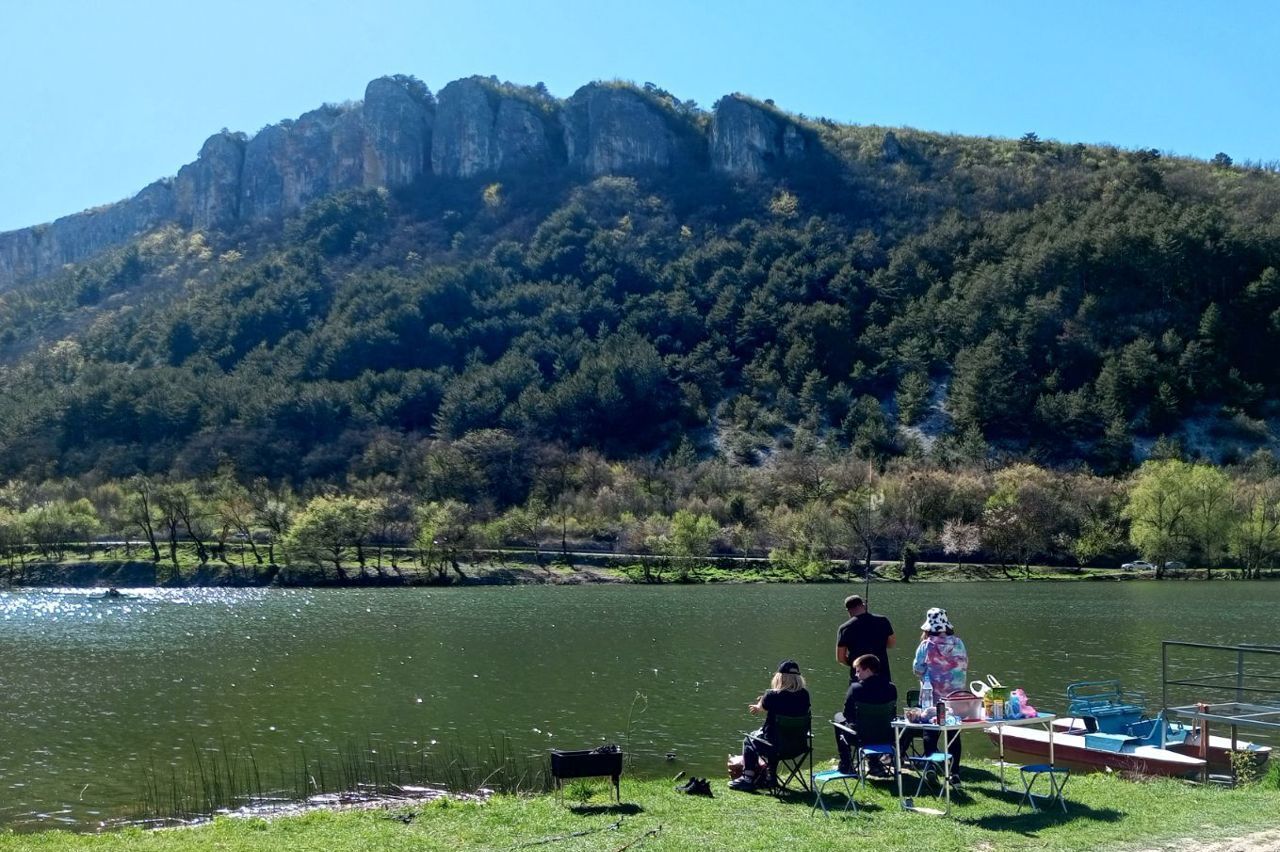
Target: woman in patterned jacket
{"x":942,"y":661}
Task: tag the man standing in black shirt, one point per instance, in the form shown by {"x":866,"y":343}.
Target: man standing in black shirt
{"x":864,"y":633}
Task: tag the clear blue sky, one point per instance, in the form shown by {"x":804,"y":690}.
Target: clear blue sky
{"x":101,"y":98}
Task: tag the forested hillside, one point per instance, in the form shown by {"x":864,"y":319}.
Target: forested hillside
{"x":901,"y":293}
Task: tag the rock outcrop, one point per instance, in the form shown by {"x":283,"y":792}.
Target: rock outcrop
{"x":290,"y":164}
{"x":398,"y":119}
{"x":612,"y":129}
{"x":44,"y":249}
{"x":207,"y":192}
{"x":483,"y":127}
{"x":262,"y":182}
{"x":751,"y":140}
{"x":400,"y":133}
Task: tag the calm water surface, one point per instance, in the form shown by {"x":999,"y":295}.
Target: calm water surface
{"x":92,"y":692}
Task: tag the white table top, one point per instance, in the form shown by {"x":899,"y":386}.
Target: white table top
{"x":974,"y":724}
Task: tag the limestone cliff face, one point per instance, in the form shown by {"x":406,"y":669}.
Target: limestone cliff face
{"x":290,"y":164}
{"x":262,"y":181}
{"x":207,"y":192}
{"x":463,"y":143}
{"x":44,"y":249}
{"x":398,"y":121}
{"x":398,"y":134}
{"x":324,"y":153}
{"x":18,"y":255}
{"x":382,"y":142}
{"x":481,"y":128}
{"x":616,"y":130}
{"x":750,"y":141}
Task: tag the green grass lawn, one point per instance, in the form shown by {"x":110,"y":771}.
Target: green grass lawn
{"x":1105,"y":812}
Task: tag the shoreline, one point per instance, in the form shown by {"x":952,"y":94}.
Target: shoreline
{"x":1104,"y":811}
{"x":586,"y":570}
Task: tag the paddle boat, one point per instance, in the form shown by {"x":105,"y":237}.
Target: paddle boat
{"x":1108,"y":728}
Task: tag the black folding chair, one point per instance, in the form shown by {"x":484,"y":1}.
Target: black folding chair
{"x":789,"y":752}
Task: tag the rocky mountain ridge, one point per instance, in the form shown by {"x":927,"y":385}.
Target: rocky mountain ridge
{"x":401,"y":132}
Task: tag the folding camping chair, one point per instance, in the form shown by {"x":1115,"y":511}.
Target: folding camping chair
{"x":790,"y":750}
{"x":875,"y":736}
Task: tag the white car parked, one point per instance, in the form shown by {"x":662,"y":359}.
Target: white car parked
{"x":1140,"y":565}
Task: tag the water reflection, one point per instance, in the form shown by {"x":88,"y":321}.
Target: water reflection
{"x":93,"y":692}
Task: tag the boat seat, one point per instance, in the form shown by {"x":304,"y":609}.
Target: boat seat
{"x":1115,"y":710}
{"x":1108,"y":742}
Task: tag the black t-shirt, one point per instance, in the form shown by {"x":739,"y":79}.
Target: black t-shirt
{"x":866,"y":634}
{"x":783,"y":703}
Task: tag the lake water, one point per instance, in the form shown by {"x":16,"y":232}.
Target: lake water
{"x":95,"y":692}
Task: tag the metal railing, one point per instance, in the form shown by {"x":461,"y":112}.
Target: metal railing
{"x":1239,"y":683}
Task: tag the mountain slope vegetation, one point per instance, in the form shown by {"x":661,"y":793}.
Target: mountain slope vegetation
{"x":905,"y":294}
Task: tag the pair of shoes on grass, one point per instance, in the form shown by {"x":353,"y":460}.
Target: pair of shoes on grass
{"x":696,"y":787}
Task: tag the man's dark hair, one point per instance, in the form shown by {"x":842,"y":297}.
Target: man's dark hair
{"x":870,"y":662}
{"x":853,"y":601}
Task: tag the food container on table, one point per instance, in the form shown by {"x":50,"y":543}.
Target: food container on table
{"x":964,"y":705}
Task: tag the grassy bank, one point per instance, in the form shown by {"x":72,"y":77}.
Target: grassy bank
{"x":129,"y":567}
{"x":1105,"y":812}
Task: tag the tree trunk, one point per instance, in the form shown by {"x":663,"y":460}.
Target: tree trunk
{"x":151,"y":540}
{"x":564,"y":540}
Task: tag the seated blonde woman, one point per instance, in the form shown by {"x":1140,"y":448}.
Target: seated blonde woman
{"x":786,"y":696}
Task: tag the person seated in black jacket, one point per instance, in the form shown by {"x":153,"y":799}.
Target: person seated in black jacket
{"x":870,"y":687}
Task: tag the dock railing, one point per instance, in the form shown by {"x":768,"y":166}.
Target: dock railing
{"x":1240,"y":695}
{"x":1238,"y":681}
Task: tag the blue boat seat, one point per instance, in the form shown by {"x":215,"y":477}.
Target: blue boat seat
{"x":1108,"y":742}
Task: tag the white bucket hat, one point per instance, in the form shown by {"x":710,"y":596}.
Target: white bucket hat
{"x":936,"y":621}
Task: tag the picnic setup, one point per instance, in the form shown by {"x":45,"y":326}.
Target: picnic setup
{"x":894,"y":740}
{"x":914,"y":747}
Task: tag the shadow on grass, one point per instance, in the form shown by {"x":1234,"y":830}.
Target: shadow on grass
{"x":838,"y":802}
{"x":1028,"y":824}
{"x":834,"y":797}
{"x":625,"y":808}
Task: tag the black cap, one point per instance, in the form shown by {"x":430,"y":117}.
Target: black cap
{"x":788,"y":667}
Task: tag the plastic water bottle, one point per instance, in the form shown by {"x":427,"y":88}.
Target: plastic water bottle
{"x":926,"y":694}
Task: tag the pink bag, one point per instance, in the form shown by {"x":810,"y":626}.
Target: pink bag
{"x":735,"y":766}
